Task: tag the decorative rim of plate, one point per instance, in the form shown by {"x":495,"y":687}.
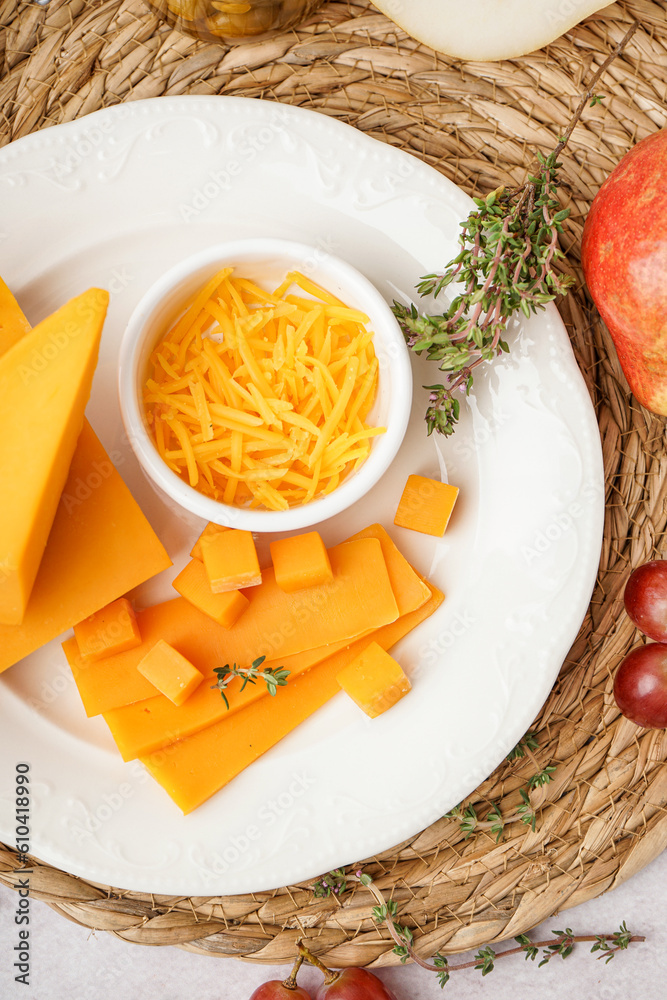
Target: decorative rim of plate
{"x":160,"y":111}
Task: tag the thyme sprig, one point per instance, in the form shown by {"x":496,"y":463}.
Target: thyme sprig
{"x":335,"y":883}
{"x":508,"y":247}
{"x":506,"y":266}
{"x":494,"y":821}
{"x":526,"y":744}
{"x":484,"y":961}
{"x":273,"y":677}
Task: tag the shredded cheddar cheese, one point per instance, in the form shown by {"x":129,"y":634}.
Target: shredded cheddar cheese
{"x":259,"y":399}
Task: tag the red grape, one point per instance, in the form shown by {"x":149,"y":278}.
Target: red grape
{"x":275,"y":990}
{"x":347,"y":984}
{"x":646,"y":599}
{"x":354,"y":984}
{"x":640,"y":685}
{"x":285,"y":990}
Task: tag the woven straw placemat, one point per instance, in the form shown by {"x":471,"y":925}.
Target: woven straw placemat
{"x":602,"y":817}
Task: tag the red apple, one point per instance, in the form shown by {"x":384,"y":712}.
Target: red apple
{"x":640,"y":685}
{"x":624,"y":257}
{"x":645,"y":599}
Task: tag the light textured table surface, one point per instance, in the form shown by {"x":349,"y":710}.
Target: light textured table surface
{"x":71,"y":963}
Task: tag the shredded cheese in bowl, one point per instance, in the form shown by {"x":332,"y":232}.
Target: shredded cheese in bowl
{"x":259,"y":399}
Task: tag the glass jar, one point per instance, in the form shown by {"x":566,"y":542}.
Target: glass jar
{"x":233,"y":20}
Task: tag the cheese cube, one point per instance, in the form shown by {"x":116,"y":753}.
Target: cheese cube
{"x":300,"y":561}
{"x":210,"y":529}
{"x":111,"y":630}
{"x":231,"y":560}
{"x":193,"y":584}
{"x":374,"y":680}
{"x":168,"y":671}
{"x":426,"y":505}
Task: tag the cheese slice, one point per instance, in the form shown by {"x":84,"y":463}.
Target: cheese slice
{"x":101,"y":545}
{"x":410,"y":590}
{"x":117,"y":683}
{"x":193,"y":769}
{"x":45,"y":382}
{"x":140,"y":718}
{"x":13,"y":324}
{"x":275,"y":625}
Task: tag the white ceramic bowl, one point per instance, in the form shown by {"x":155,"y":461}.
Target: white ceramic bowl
{"x":266,"y":262}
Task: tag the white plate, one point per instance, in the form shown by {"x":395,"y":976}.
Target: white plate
{"x":114,"y":199}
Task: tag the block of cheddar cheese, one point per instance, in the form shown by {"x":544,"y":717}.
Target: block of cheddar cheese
{"x":45,"y":382}
{"x":210,"y":529}
{"x":101,"y":546}
{"x":426,"y":505}
{"x":13,"y":323}
{"x":197,"y":636}
{"x":170,"y":672}
{"x":97,"y":522}
{"x":230,"y":559}
{"x":145,"y":726}
{"x":113,"y":629}
{"x":300,"y":561}
{"x":193,"y":584}
{"x":374,"y":680}
{"x":193,"y":769}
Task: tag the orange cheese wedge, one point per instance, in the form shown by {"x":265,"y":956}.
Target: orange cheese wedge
{"x":193,"y":769}
{"x":45,"y":381}
{"x":100,"y":547}
{"x":97,"y":523}
{"x":13,"y":324}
